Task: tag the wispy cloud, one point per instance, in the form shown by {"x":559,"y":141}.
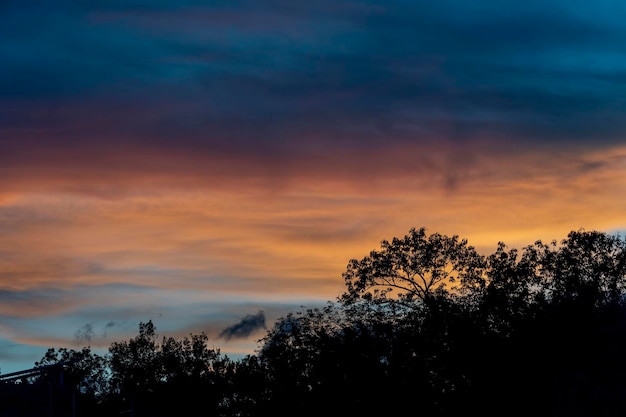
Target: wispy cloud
{"x":249,"y":324}
{"x":84,"y":334}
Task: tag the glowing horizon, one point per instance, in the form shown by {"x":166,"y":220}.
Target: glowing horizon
{"x":193,"y":164}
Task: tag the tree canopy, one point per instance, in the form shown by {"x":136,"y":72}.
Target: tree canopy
{"x":425,"y":324}
{"x":413,"y":267}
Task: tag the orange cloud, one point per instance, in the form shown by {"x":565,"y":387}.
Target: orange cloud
{"x":181,"y":242}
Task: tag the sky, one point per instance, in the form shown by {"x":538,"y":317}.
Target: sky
{"x":212,"y":166}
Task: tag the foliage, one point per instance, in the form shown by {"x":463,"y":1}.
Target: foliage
{"x":433,"y":321}
{"x":426,"y":324}
{"x":84,"y":369}
{"x":414,"y":267}
{"x":148,"y":374}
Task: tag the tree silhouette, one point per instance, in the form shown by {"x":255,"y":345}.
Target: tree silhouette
{"x":83,"y":370}
{"x":516,"y":324}
{"x":426,"y":324}
{"x":172,"y":376}
{"x":413,"y":267}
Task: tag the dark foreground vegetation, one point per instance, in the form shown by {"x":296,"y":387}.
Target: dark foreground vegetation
{"x":426,"y":327}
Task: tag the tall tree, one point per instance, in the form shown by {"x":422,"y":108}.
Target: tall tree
{"x":413,"y":268}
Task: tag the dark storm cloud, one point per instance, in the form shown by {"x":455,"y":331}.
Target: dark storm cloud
{"x":276,"y":76}
{"x":248,"y":325}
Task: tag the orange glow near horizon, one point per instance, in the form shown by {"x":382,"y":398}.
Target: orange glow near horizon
{"x":190,"y":243}
{"x":154,"y":166}
{"x":308,"y":230}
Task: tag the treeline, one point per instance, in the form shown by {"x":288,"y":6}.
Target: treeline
{"x":427,"y":326}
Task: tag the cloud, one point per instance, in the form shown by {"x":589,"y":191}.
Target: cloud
{"x":34,"y":301}
{"x":356,"y":76}
{"x":156,"y":157}
{"x":84,"y":334}
{"x":248,"y":325}
{"x":110,"y":325}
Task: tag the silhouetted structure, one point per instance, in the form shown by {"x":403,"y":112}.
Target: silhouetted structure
{"x":38,"y":392}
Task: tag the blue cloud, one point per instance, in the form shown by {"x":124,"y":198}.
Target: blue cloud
{"x":372,"y":71}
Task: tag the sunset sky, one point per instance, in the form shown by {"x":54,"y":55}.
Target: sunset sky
{"x":195,"y":163}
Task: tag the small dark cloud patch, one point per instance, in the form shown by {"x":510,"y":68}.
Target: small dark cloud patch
{"x":107,"y":327}
{"x":591,"y":166}
{"x":84,"y":334}
{"x":248,"y":325}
